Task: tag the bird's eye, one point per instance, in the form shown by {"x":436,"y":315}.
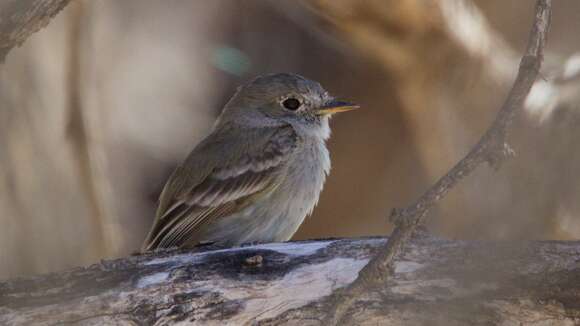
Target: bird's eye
{"x":291,"y":104}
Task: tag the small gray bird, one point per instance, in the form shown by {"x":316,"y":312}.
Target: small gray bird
{"x":258,"y":174}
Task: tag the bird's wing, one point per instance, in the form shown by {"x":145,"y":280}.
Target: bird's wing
{"x":213,"y":183}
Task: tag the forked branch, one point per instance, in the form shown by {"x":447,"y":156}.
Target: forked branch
{"x":491,"y":148}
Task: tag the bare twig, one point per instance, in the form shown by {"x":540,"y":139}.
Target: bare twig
{"x":491,"y":148}
{"x":20,"y":18}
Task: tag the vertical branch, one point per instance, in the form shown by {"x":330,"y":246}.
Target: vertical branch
{"x":491,"y":148}
{"x":79,"y":136}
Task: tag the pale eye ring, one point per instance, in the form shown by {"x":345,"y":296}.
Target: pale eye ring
{"x":291,"y":104}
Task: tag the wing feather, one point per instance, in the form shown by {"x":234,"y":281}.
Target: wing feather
{"x":213,"y":184}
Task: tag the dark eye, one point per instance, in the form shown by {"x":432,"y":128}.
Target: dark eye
{"x":291,"y":104}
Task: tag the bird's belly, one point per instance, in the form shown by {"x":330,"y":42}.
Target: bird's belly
{"x":278,"y":216}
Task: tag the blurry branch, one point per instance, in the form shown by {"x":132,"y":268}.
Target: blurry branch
{"x":308,"y":23}
{"x":78,"y":132}
{"x":469,"y":29}
{"x":393,"y":32}
{"x":558,"y":90}
{"x":20,"y":18}
{"x":491,"y":148}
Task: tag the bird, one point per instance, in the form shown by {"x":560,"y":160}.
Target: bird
{"x":257,"y":175}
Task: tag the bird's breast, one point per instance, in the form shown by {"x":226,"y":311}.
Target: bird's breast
{"x":298,"y":192}
{"x":307,"y":172}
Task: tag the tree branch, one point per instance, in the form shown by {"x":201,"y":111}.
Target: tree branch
{"x":20,"y":18}
{"x":436,"y":281}
{"x":491,"y":148}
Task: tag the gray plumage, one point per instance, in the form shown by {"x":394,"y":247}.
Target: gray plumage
{"x":257,"y":175}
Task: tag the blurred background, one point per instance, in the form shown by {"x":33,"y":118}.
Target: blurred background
{"x":100,"y":106}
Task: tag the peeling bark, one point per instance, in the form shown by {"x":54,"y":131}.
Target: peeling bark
{"x":435,"y":281}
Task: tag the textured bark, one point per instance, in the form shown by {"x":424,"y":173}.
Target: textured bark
{"x":435,"y":282}
{"x":20,"y":18}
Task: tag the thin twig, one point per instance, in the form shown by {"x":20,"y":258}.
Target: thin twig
{"x":491,"y":148}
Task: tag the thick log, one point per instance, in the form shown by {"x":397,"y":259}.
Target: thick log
{"x":436,"y":281}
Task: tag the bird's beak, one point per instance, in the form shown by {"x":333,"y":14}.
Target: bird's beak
{"x":336,"y":106}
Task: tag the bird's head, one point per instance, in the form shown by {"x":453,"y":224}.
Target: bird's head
{"x":285,"y":98}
